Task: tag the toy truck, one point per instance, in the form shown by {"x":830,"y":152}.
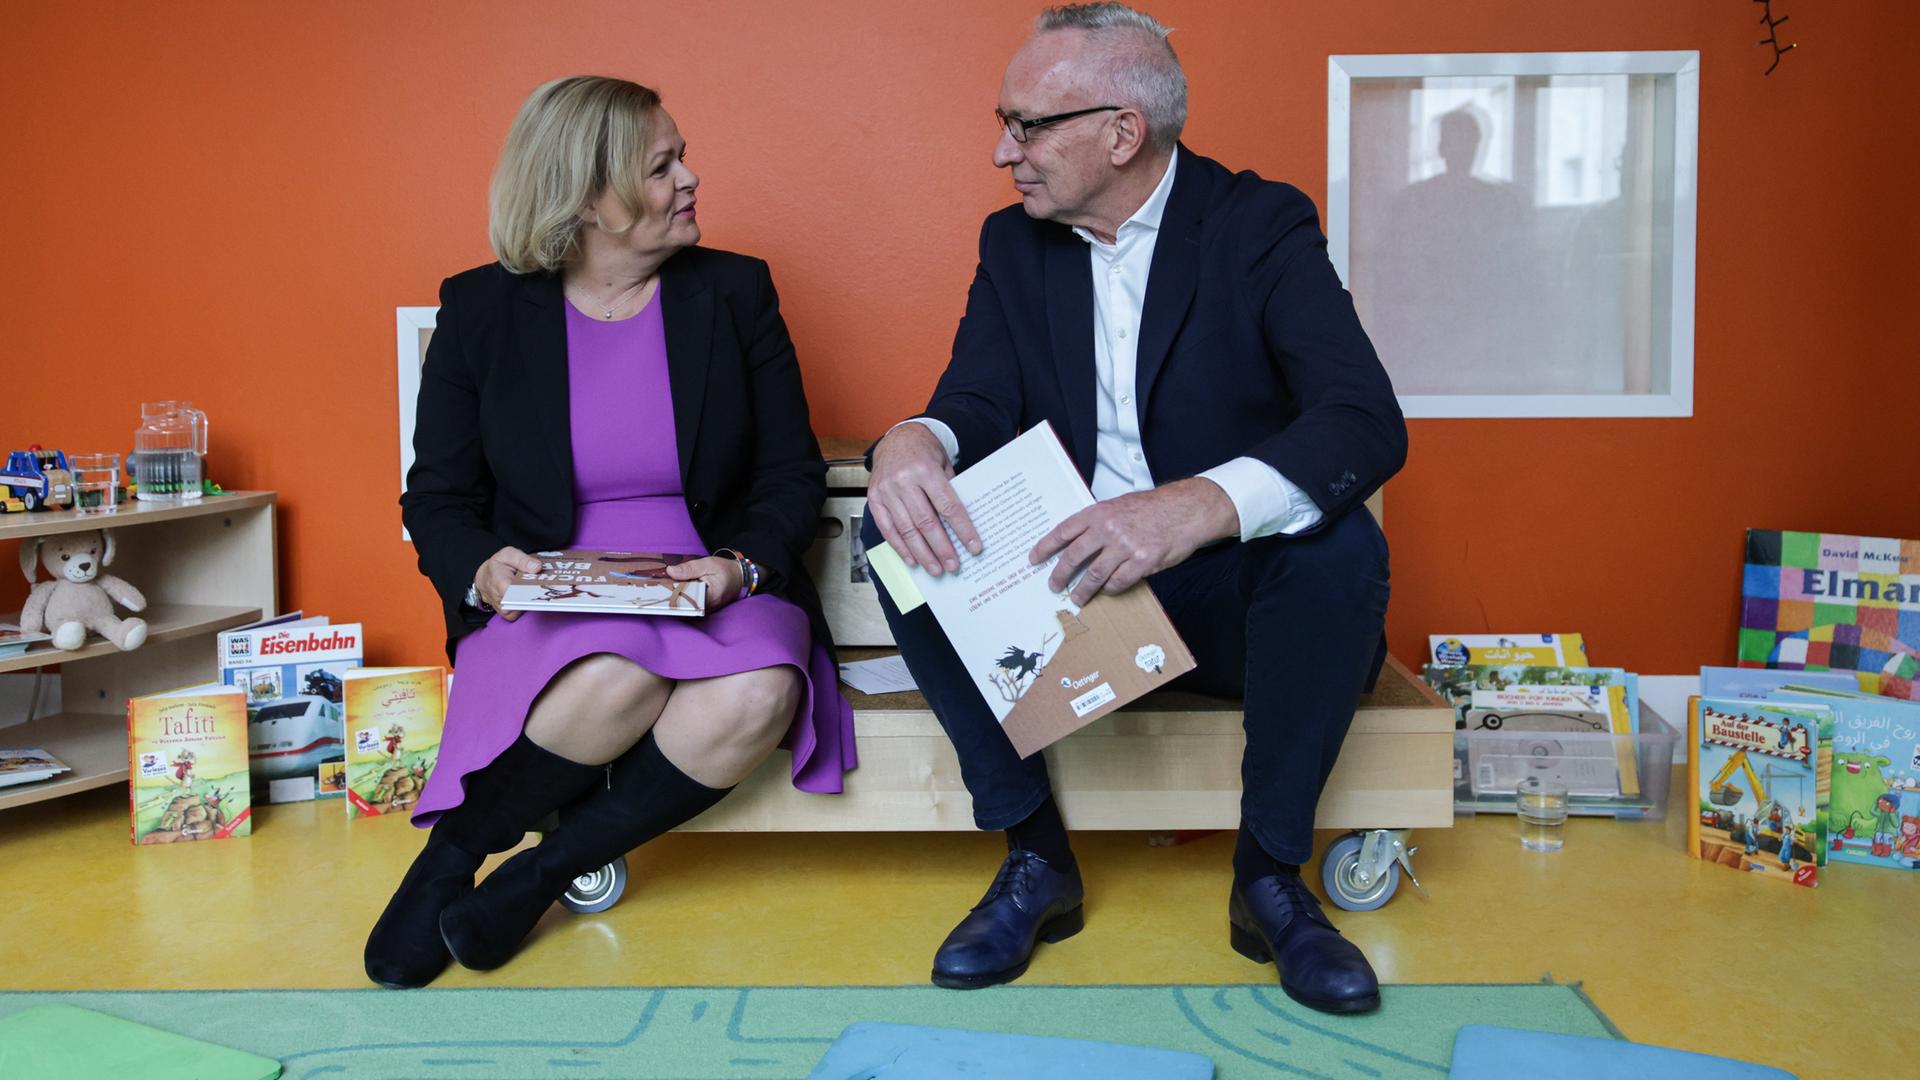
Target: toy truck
{"x":36,"y":479}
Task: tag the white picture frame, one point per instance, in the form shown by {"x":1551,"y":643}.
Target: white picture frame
{"x":1668,"y":390}
{"x":413,"y":328}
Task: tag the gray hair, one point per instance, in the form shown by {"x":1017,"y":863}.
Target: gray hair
{"x":1131,"y":51}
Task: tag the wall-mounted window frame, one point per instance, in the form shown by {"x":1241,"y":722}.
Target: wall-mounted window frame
{"x":1670,"y":392}
{"x":413,"y":327}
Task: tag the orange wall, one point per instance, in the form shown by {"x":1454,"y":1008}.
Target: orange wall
{"x":227,"y":207}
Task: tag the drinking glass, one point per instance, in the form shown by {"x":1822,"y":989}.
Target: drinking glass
{"x":96,"y":483}
{"x":1542,"y":806}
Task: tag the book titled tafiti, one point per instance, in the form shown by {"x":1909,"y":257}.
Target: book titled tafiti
{"x":606,"y":583}
{"x":187,"y":765}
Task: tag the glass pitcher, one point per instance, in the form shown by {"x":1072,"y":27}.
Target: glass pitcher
{"x":168,"y":449}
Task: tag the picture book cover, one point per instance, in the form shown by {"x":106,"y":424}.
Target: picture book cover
{"x":1760,"y":773}
{"x":1873,"y":814}
{"x":28,"y":766}
{"x":1550,"y":650}
{"x":291,"y":672}
{"x":1045,"y":665}
{"x":1761,"y":683}
{"x":606,"y":583}
{"x":14,"y":640}
{"x":187,"y":765}
{"x":394,"y":720}
{"x":1457,"y":684}
{"x":1829,"y":602}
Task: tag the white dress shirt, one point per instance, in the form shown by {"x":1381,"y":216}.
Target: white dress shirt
{"x":1267,"y":503}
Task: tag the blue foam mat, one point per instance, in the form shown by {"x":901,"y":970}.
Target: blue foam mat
{"x":873,"y":1051}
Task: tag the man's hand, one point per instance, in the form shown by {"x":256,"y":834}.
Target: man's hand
{"x":498,"y":572}
{"x":909,"y":495}
{"x":1125,"y":539}
{"x":721,"y":574}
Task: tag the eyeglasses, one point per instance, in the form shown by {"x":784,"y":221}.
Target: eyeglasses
{"x":1020,"y":129}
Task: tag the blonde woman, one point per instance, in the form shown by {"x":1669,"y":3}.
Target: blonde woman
{"x":606,"y":384}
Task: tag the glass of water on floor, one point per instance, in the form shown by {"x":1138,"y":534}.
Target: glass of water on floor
{"x":96,"y":483}
{"x":1542,"y":807}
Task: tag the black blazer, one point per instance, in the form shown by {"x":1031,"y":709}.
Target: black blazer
{"x":493,"y":454}
{"x":1248,"y":344}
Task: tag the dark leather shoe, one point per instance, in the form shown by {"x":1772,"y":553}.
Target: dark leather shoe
{"x":1276,"y":919}
{"x":1028,"y":902}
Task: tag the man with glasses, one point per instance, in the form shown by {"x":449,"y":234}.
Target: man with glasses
{"x":1182,"y":329}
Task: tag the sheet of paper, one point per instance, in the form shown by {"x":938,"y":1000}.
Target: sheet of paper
{"x":881,"y":675}
{"x":895,"y":575}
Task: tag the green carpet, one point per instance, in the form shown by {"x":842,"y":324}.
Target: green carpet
{"x":722,"y":1033}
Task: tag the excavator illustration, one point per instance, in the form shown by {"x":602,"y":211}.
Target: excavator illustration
{"x":1770,"y":828}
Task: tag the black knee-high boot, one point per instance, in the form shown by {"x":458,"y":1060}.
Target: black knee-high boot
{"x":502,"y":802}
{"x":646,"y":796}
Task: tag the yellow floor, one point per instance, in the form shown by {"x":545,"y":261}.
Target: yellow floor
{"x":1821,"y":982}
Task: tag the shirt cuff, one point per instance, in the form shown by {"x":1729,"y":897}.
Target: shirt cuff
{"x":940,"y":431}
{"x":1268,"y":504}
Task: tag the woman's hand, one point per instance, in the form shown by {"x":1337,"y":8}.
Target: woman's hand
{"x":494,"y":575}
{"x":721,"y":574}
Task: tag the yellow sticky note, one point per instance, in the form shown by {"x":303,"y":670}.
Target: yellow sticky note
{"x":896,"y":577}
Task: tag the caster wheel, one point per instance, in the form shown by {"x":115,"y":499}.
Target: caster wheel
{"x":597,"y":890}
{"x":1339,"y":873}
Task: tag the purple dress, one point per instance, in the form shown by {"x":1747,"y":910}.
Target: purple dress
{"x":626,"y":488}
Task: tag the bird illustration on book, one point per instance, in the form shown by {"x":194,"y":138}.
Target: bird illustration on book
{"x":396,"y":735}
{"x":1014,"y":671}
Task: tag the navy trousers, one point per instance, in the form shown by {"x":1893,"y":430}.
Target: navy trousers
{"x":1293,"y":627}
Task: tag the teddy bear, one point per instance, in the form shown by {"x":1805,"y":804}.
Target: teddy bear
{"x":80,"y":597}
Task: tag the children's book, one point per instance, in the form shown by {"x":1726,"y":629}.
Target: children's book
{"x":28,"y":766}
{"x":1873,"y":815}
{"x":291,"y":672}
{"x":14,"y":641}
{"x":394,"y":720}
{"x":1547,"y":650}
{"x":1579,"y":735}
{"x":1045,"y":665}
{"x":187,"y":765}
{"x":1824,"y":601}
{"x":606,"y":583}
{"x":1760,"y":683}
{"x":1759,"y":773}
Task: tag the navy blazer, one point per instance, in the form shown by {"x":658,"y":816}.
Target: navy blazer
{"x":1248,"y":346}
{"x":493,"y":449}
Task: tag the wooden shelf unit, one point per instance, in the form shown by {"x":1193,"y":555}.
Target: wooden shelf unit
{"x":203,"y":567}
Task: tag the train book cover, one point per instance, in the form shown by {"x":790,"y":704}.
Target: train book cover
{"x":394,"y":718}
{"x":1760,"y":773}
{"x":187,"y":765}
{"x":291,"y":672}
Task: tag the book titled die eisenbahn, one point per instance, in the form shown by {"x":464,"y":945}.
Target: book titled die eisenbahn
{"x":606,"y":583}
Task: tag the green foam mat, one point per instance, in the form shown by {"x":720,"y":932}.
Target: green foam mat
{"x":763,"y":1033}
{"x":58,"y":1041}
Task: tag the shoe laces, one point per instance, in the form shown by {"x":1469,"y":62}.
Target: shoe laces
{"x":1015,"y":879}
{"x":1291,"y":895}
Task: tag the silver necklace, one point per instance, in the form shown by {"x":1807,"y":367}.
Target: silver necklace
{"x":607,"y":309}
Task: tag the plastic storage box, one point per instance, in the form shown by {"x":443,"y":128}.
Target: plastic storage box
{"x":1486,"y":765}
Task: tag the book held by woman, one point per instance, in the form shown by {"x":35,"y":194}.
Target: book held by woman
{"x":606,"y":582}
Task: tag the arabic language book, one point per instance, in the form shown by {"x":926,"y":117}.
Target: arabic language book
{"x":394,"y":721}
